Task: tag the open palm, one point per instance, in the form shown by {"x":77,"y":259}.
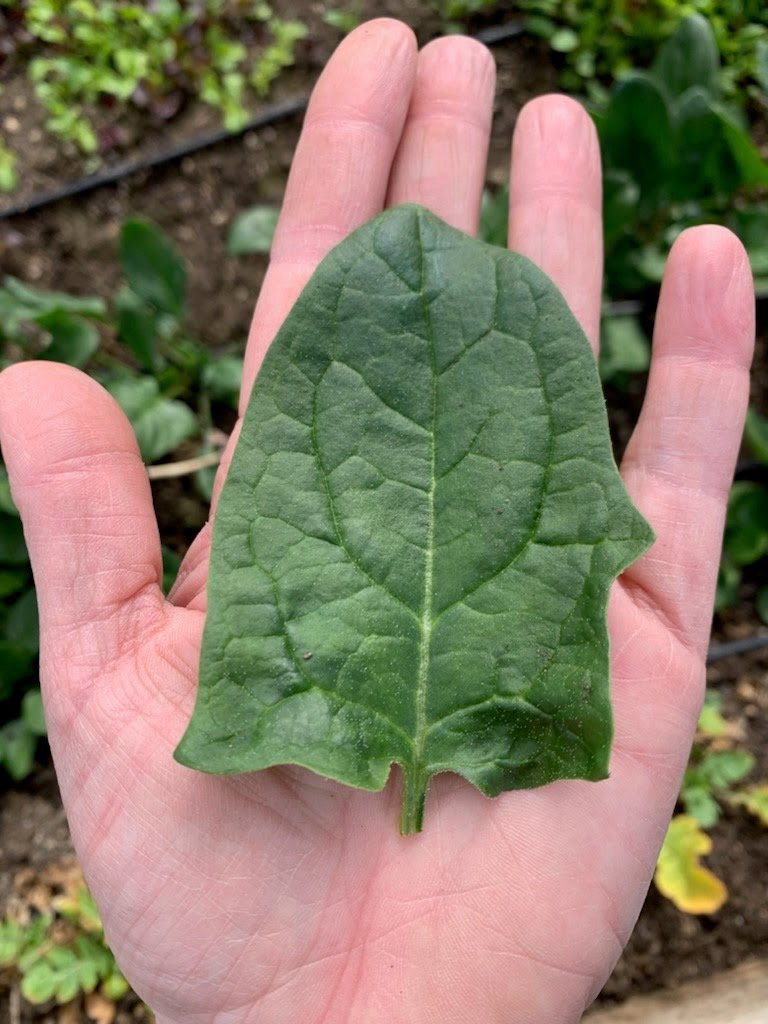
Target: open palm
{"x":281,"y":898}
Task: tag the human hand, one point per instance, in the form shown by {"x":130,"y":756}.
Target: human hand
{"x":280,"y":897}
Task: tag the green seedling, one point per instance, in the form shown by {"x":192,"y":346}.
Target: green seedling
{"x":60,"y":964}
{"x":91,"y":58}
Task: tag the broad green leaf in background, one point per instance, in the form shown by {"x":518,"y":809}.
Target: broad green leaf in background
{"x":636,"y":133}
{"x":160,"y":424}
{"x":73,"y":340}
{"x":15,"y":662}
{"x":12,"y":581}
{"x":680,"y":875}
{"x":650,"y":262}
{"x":746,"y":526}
{"x":753,"y":168}
{"x":762,"y":64}
{"x":152,"y":266}
{"x":414,"y":546}
{"x":17,"y":749}
{"x":728,"y":582}
{"x":22,"y":626}
{"x":621,"y":195}
{"x":705,"y":162}
{"x":710,"y":776}
{"x":7,"y":504}
{"x":253,"y":230}
{"x":689,"y":58}
{"x":19,"y":737}
{"x":751,"y":225}
{"x":137,"y":327}
{"x":222,"y":378}
{"x":32,"y":714}
{"x":13,"y":549}
{"x":37,"y":302}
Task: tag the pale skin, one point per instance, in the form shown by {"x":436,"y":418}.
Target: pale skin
{"x":279,"y":897}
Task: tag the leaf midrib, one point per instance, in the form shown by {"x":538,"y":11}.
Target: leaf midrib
{"x":416,"y":785}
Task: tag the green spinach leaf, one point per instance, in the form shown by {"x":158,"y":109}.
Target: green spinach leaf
{"x":414,"y":546}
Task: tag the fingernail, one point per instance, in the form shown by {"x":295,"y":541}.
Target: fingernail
{"x":559,"y":128}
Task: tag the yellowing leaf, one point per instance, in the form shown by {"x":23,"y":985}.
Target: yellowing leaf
{"x":680,"y":875}
{"x":755,"y":800}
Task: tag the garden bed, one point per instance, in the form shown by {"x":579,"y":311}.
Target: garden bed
{"x":72,"y":246}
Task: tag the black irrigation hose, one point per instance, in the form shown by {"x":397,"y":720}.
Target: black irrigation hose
{"x":278,"y":112}
{"x":500,"y":33}
{"x":751,"y":643}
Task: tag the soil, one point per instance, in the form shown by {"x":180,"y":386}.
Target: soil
{"x":72,"y":246}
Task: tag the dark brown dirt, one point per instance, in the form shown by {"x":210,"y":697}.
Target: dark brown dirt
{"x":72,"y":246}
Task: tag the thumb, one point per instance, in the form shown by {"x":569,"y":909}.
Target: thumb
{"x":82,"y":490}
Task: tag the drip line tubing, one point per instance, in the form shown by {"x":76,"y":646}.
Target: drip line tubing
{"x":110,"y":176}
{"x":745,"y":646}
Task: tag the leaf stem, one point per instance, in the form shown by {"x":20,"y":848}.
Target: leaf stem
{"x":414,"y":796}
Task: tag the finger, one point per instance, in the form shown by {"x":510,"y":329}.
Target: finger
{"x":679,"y":463}
{"x":340,"y":172}
{"x":443,"y":151}
{"x":82,"y":490}
{"x":555,"y":214}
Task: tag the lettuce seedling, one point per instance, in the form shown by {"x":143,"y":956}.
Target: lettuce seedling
{"x":414,"y":546}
